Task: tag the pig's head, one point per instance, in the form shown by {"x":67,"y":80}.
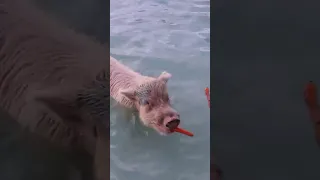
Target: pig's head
{"x":152,"y":101}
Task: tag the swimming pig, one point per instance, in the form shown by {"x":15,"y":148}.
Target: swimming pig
{"x":148,"y":95}
{"x":53,"y":81}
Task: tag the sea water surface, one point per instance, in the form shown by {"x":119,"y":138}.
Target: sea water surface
{"x":151,"y":36}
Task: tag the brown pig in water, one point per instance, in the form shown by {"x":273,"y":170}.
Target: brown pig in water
{"x":148,"y":95}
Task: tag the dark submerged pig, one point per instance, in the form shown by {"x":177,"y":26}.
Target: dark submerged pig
{"x":53,"y":81}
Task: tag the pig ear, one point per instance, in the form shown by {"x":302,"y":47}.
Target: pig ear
{"x":164,"y":76}
{"x":128,"y":93}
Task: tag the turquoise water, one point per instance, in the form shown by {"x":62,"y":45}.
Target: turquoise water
{"x":150,"y":37}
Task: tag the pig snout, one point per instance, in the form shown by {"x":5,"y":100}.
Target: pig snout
{"x":172,"y":122}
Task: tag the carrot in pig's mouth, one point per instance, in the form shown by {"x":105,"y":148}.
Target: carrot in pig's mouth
{"x":183,"y":131}
{"x":173,"y":126}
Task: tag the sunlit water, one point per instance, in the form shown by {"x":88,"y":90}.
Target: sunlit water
{"x":151,"y":36}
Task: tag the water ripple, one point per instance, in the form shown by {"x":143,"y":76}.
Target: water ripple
{"x":152,"y":36}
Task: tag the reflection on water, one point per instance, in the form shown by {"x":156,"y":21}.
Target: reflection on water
{"x":152,"y":36}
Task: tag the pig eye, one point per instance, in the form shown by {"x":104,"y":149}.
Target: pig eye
{"x":144,"y":102}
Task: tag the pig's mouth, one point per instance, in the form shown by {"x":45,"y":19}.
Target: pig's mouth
{"x":167,"y":128}
{"x":173,"y":124}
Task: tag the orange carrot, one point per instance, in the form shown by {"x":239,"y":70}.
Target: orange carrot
{"x":310,"y":95}
{"x":207,"y":93}
{"x":183,"y":131}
